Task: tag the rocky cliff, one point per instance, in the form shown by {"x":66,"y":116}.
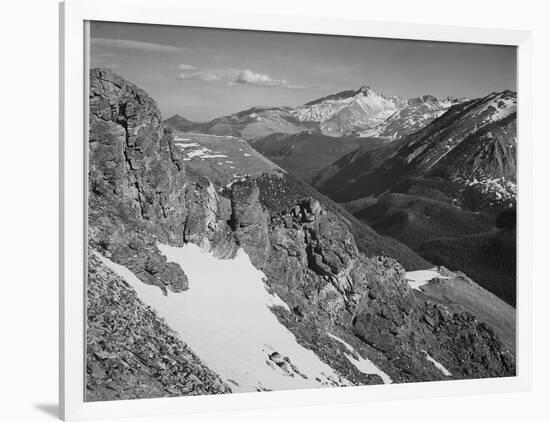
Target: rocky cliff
{"x":140,"y":194}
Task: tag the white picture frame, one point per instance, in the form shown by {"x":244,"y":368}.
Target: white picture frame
{"x":73,"y":82}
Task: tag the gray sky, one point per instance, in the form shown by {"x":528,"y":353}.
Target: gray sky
{"x":206,"y":73}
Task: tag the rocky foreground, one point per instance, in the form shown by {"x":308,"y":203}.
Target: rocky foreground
{"x":142,"y":194}
{"x":131,"y":353}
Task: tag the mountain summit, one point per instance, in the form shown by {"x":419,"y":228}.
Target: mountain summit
{"x":367,"y":113}
{"x":350,"y":111}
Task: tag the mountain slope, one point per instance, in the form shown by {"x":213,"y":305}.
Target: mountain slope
{"x":306,"y":153}
{"x":459,"y":293}
{"x":415,"y":220}
{"x":255,"y":123}
{"x":223,"y":159}
{"x":472,"y":144}
{"x":489,"y":257}
{"x":418,"y":113}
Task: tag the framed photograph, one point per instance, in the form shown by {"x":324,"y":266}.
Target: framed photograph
{"x":266,"y":210}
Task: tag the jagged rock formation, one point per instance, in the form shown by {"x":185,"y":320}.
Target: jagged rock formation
{"x":140,"y":194}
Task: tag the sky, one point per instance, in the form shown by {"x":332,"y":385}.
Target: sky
{"x":203,"y":73}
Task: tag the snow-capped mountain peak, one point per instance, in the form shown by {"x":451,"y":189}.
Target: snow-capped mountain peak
{"x":496,"y":106}
{"x":366,"y":112}
{"x":348,"y":111}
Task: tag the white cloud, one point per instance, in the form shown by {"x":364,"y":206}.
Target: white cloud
{"x":134,"y":45}
{"x":248,"y":77}
{"x":231,"y":77}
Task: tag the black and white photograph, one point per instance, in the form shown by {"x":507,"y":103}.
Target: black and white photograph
{"x":275,"y":211}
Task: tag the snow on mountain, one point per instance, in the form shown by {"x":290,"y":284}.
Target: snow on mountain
{"x":362,"y":364}
{"x":418,"y":113}
{"x":367,"y":113}
{"x":497,"y":106}
{"x":474,"y":143}
{"x":222,"y":159}
{"x":344,"y":113}
{"x":417,"y":279}
{"x":438,"y":365}
{"x":225,"y":318}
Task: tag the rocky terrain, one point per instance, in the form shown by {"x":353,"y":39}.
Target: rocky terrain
{"x":344,"y":295}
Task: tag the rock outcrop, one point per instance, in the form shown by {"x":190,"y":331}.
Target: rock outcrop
{"x":314,"y":265}
{"x":139,"y":192}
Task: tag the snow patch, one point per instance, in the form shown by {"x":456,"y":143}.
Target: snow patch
{"x":439,"y":366}
{"x":187,"y":145}
{"x":204,"y":153}
{"x":225,"y":318}
{"x":417,"y":279}
{"x":363,"y":365}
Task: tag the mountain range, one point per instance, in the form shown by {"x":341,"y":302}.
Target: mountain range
{"x":362,"y":112}
{"x":420,"y":170}
{"x":215,"y":268}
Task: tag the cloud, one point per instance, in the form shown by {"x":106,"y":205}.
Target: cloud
{"x":232,"y":77}
{"x":248,"y":77}
{"x":134,"y":45}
